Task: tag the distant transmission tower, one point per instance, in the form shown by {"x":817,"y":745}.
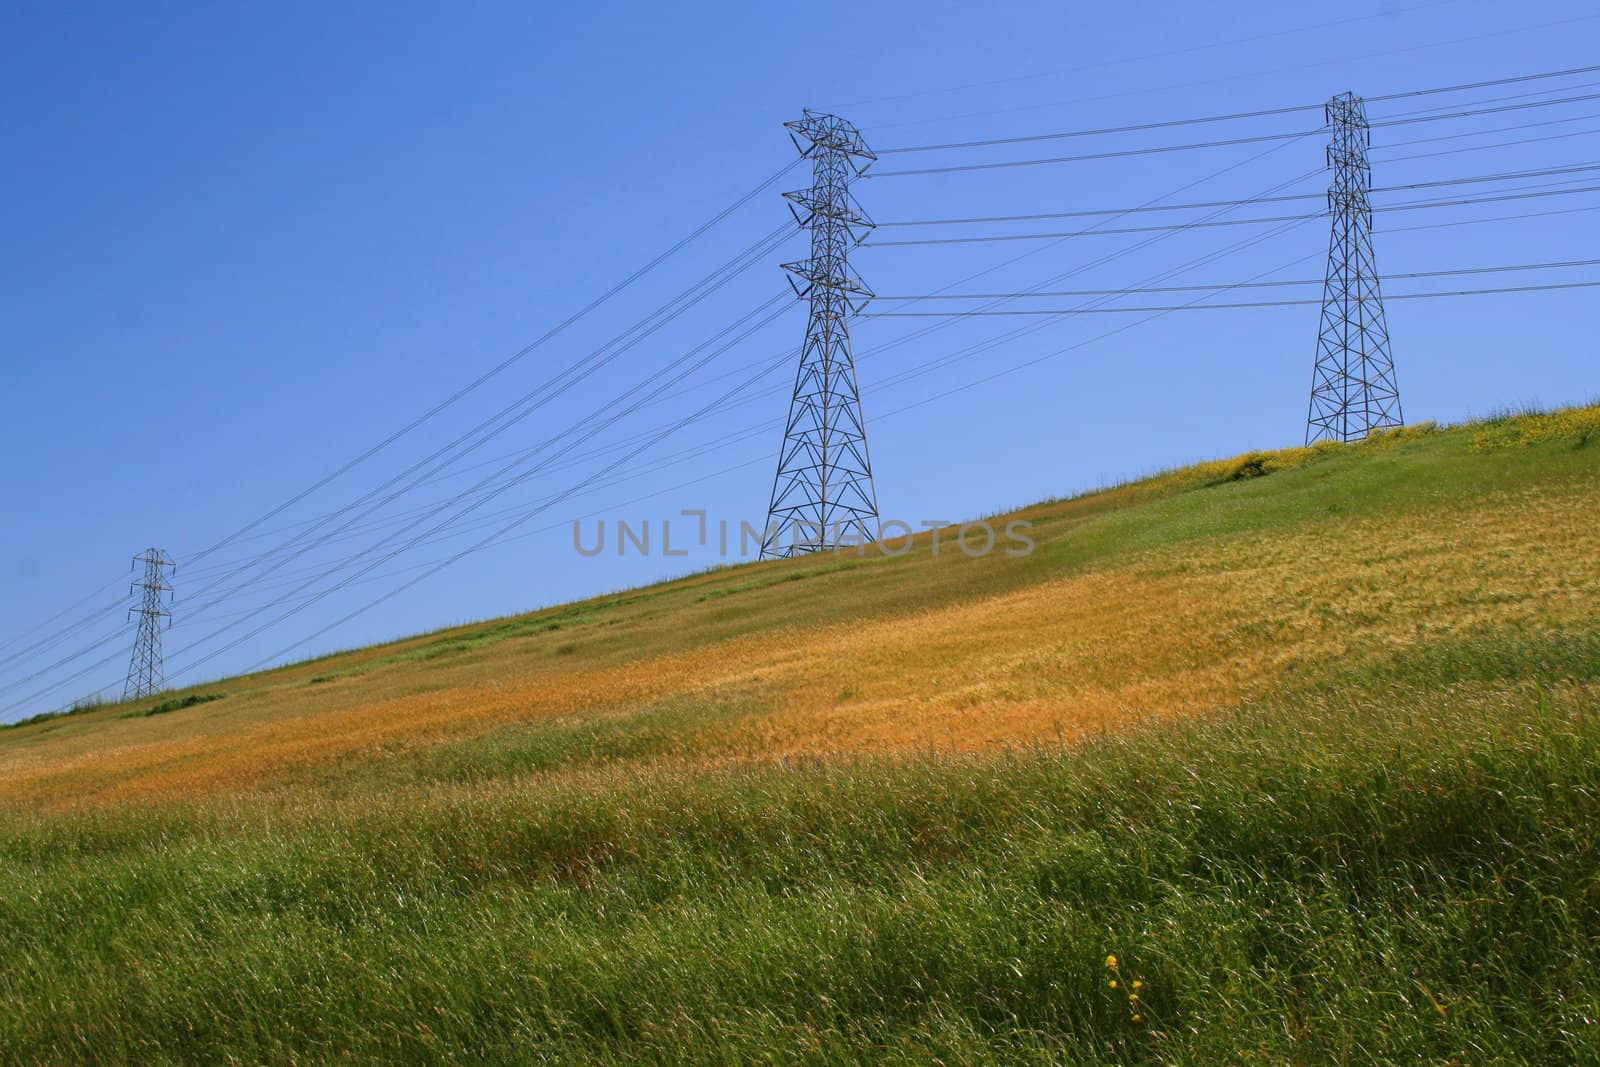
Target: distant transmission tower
{"x":145,"y":670}
{"x":823,"y":494}
{"x":1353,"y":388}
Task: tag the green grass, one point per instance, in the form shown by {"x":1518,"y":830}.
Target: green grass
{"x":1363,"y":873}
{"x":1393,"y":859}
{"x":83,"y":707}
{"x":174,"y":704}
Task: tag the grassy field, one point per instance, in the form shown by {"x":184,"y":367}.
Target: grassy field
{"x":1300,"y":750}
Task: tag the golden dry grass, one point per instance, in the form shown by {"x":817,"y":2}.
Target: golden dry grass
{"x":906,"y":654}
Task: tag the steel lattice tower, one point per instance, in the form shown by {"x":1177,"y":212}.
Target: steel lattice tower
{"x":1353,"y":387}
{"x":823,"y":495}
{"x":145,"y":670}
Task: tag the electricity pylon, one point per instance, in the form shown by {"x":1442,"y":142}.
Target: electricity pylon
{"x":1353,"y":387}
{"x":145,"y":670}
{"x":823,"y":495}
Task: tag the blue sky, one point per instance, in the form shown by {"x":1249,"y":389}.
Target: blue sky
{"x":245,"y":243}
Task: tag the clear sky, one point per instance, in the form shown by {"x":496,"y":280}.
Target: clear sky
{"x":244,"y":243}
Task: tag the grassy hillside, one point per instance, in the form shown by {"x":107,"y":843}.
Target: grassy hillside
{"x":1306,"y":742}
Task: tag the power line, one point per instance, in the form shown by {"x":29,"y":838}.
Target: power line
{"x":1490,"y":132}
{"x":1529,"y":193}
{"x":1284,"y":283}
{"x":1497,"y":144}
{"x":1221,"y":143}
{"x":452,"y":399}
{"x":1493,"y":218}
{"x":508,"y":416}
{"x":57,"y":636}
{"x":510,"y":526}
{"x":1128,"y":326}
{"x":1437,"y":108}
{"x":1119,"y":231}
{"x":1219,"y":307}
{"x":1232,"y":116}
{"x":1237,"y":115}
{"x":116,"y":635}
{"x":1091,"y":213}
{"x":74,"y":606}
{"x":1475,"y":112}
{"x":120,"y":634}
{"x":462,"y":471}
{"x":492,"y":494}
{"x":1135,"y":128}
{"x":577,"y":461}
{"x":502,"y":366}
{"x":1040,"y":324}
{"x":1342,"y":61}
{"x":679,"y":458}
{"x":23,"y":702}
{"x":1491,"y":83}
{"x":754,"y":255}
{"x":1413,"y":206}
{"x":670,"y":460}
{"x":1120,"y":154}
